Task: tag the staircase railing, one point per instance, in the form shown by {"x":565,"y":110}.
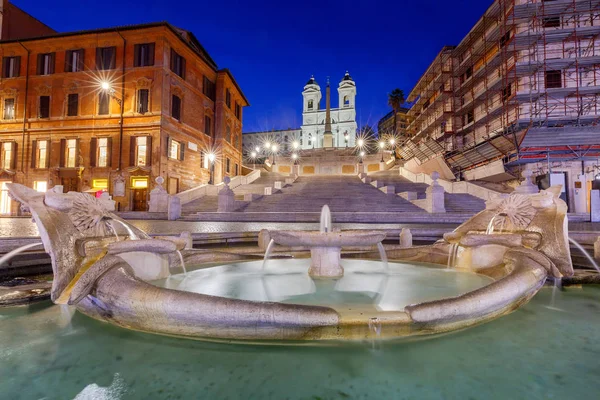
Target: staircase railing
{"x":192,"y":194}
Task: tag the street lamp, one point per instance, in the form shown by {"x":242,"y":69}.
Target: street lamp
{"x":295,"y":158}
{"x":211,"y":159}
{"x":382,"y":146}
{"x":295,"y":145}
{"x":360,"y":142}
{"x":362,"y":155}
{"x":392,"y":144}
{"x":346,"y":138}
{"x":257,"y":149}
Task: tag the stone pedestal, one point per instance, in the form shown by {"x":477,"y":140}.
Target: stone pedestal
{"x":296,"y":169}
{"x":264,"y":237}
{"x":360,"y":167}
{"x":527,"y":187}
{"x":278,"y":185}
{"x":187,"y":236}
{"x":325,"y":262}
{"x":328,"y":139}
{"x":268,"y":190}
{"x":174,"y":208}
{"x":226,"y":198}
{"x":597,"y":248}
{"x":595,"y":205}
{"x":435,"y":195}
{"x":406,"y":240}
{"x":159,"y":198}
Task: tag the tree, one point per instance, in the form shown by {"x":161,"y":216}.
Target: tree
{"x":396,"y":99}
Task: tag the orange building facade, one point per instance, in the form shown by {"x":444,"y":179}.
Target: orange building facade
{"x":113,"y":109}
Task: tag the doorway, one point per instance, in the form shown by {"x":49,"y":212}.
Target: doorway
{"x":5,"y":202}
{"x":173,"y":186}
{"x":69,"y":184}
{"x":140,"y":202}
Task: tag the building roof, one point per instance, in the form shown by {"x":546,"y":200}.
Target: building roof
{"x":311,"y":81}
{"x":186,"y":36}
{"x":347,"y":77}
{"x":228,"y":72}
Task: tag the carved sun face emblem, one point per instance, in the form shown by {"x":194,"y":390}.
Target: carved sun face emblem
{"x":515,"y":213}
{"x":88,"y":215}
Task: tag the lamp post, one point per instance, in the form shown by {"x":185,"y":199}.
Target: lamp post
{"x":274,"y":149}
{"x":211,"y":159}
{"x":362,"y":155}
{"x":393,"y":146}
{"x":382,"y":146}
{"x":346,"y":138}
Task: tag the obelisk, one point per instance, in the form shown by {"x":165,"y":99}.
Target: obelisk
{"x":327,"y":135}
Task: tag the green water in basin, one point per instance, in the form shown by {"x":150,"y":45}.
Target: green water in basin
{"x":365,"y":284}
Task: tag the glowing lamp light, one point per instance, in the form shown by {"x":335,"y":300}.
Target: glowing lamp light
{"x":274,"y":148}
{"x":105,"y":85}
{"x":267,"y":145}
{"x":257,"y":148}
{"x":253,"y":154}
{"x":381,"y":144}
{"x":294,"y":156}
{"x":362,"y":153}
{"x":295,"y":145}
{"x":211,"y":157}
{"x":360,"y":142}
{"x":392,"y":141}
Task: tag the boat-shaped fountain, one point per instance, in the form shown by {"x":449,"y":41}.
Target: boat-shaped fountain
{"x":129,"y":283}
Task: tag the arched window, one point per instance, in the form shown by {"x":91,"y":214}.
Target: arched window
{"x":310,"y":104}
{"x":346,"y":101}
{"x":310,"y":139}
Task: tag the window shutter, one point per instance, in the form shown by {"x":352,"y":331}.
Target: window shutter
{"x":168,"y":145}
{"x":63,"y":149}
{"x":5,"y":67}
{"x":40,"y":64}
{"x":33,"y":153}
{"x":98,"y":58}
{"x":81,"y":60}
{"x":113,"y":57}
{"x":108,"y":152}
{"x":52,"y":58}
{"x":148,"y":151}
{"x":77,"y":163}
{"x":183,"y":68}
{"x":48,"y":154}
{"x":136,"y":56}
{"x":93,"y":147}
{"x":13,"y":161}
{"x":17,"y":71}
{"x":151,"y":54}
{"x":173,"y":55}
{"x":68,"y":61}
{"x":181,"y":151}
{"x":132,"y":144}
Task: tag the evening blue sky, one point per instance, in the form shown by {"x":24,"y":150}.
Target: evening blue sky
{"x":273,"y":47}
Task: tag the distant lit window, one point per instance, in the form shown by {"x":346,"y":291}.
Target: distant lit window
{"x":40,"y":186}
{"x":74,"y":60}
{"x":102,"y":156}
{"x":310,"y":104}
{"x":9,"y":109}
{"x":45,"y":64}
{"x":174,"y":150}
{"x":71,"y":153}
{"x":11,"y":67}
{"x":100,"y":184}
{"x":139,"y":183}
{"x":41,"y":153}
{"x":7,"y":155}
{"x":141,"y":151}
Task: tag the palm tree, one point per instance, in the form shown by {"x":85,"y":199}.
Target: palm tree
{"x":395,"y":100}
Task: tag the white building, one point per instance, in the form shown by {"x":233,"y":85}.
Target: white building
{"x":343,"y":118}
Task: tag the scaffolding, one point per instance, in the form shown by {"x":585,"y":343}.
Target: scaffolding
{"x":528,"y":70}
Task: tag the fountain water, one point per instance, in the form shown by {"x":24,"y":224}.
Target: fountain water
{"x":130,"y":232}
{"x":453,"y":255}
{"x":268,"y":253}
{"x":18,"y":250}
{"x":490,"y":228}
{"x":325,"y":219}
{"x":182,"y":262}
{"x":585,"y":253}
{"x":383,"y":255}
{"x":112,"y":228}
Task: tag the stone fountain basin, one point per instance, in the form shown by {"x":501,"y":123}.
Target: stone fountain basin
{"x":329,"y":239}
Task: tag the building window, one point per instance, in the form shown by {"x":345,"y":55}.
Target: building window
{"x":469,"y":117}
{"x":207,"y":125}
{"x":71,"y":156}
{"x":11,"y":67}
{"x":40,"y":150}
{"x":100,"y":152}
{"x":45,"y":64}
{"x":141,"y":151}
{"x":504,"y":39}
{"x":204,"y":161}
{"x":228,"y":134}
{"x":228,"y":98}
{"x":143,"y":100}
{"x":176,"y":107}
{"x":310,"y":104}
{"x":551,"y":22}
{"x":209,"y":89}
{"x":310,"y":139}
{"x":100,"y":184}
{"x":74,"y":60}
{"x":506,"y":93}
{"x":103,"y":103}
{"x":175,"y":150}
{"x":236,"y":170}
{"x":9,"y":109}
{"x":553,"y":79}
{"x":346,"y":101}
{"x":238,"y":111}
{"x":72,"y":105}
{"x":143,"y":55}
{"x":139,"y":183}
{"x":9,"y":152}
{"x":44,"y":110}
{"x":177,"y":64}
{"x":106,"y":58}
{"x":228,"y":165}
{"x":40,"y":186}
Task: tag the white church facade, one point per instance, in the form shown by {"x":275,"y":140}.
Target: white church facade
{"x":315,"y":132}
{"x":343,"y":118}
